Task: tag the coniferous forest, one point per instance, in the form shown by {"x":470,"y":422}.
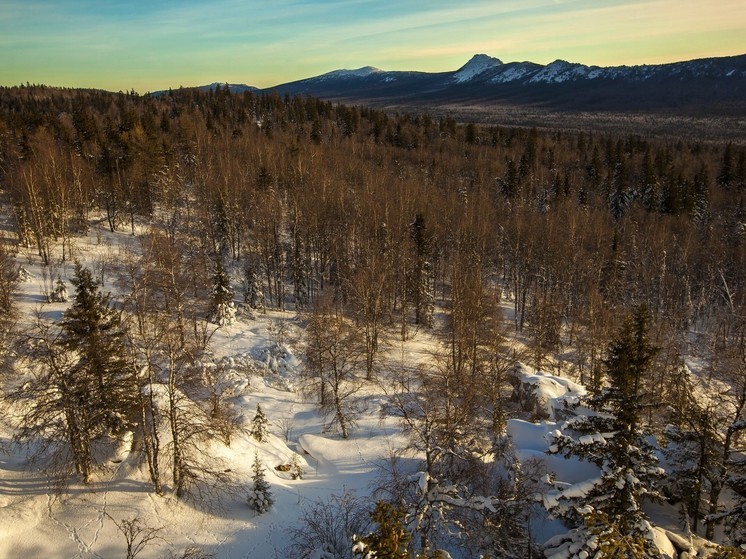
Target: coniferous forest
{"x":617,"y":261}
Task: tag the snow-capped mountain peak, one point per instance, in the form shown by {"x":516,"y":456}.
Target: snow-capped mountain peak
{"x":561,"y":83}
{"x":363,"y":72}
{"x":478,"y":64}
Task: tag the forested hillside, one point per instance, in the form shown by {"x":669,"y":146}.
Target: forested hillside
{"x":619,"y":261}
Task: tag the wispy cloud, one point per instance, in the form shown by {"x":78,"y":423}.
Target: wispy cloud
{"x":265,"y":42}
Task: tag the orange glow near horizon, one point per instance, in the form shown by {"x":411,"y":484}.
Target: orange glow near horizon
{"x":167,"y":43}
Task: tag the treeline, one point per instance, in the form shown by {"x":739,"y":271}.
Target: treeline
{"x":394,"y":223}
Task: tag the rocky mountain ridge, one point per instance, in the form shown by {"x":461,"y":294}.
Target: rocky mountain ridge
{"x":702,"y":87}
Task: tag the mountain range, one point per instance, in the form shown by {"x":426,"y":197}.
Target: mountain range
{"x":711,"y":83}
{"x":708,"y":86}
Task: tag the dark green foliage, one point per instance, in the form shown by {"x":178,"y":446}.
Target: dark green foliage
{"x":259,"y":424}
{"x":223,"y":311}
{"x":102,"y":374}
{"x":390,"y":539}
{"x":628,"y":360}
{"x":252,"y":284}
{"x":728,"y":553}
{"x":614,"y":440}
{"x":616,"y":543}
{"x":9,"y":281}
{"x":222,"y":293}
{"x":81,"y":387}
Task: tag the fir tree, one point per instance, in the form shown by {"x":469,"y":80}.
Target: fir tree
{"x":223,"y":311}
{"x":614,"y":543}
{"x":84,"y":387}
{"x":59,"y":294}
{"x":296,"y":468}
{"x":102,"y":374}
{"x":693,"y":448}
{"x":253,"y":292}
{"x":9,"y":280}
{"x":735,"y":511}
{"x":259,"y":425}
{"x":301,"y":272}
{"x":613,"y":439}
{"x":260,"y":497}
{"x":390,"y":539}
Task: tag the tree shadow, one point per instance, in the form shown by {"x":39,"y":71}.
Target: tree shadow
{"x":34,"y":298}
{"x":26,"y":551}
{"x":25,"y":475}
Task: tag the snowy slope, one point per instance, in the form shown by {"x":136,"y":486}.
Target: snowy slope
{"x":37,"y":521}
{"x":363,"y":72}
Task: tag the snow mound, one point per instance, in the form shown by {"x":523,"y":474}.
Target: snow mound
{"x":230,"y":375}
{"x":662,"y":541}
{"x":278,"y":365}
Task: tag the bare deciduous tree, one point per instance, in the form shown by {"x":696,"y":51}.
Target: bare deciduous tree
{"x":137,"y":535}
{"x":333,"y":356}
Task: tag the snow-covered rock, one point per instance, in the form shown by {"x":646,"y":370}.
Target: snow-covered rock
{"x":560,"y":71}
{"x":545,"y":396}
{"x":661,"y":540}
{"x":513,"y":71}
{"x":478,"y":64}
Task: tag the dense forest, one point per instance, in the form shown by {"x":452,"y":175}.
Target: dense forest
{"x":623,"y":259}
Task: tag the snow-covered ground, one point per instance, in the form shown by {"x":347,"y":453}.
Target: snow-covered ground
{"x":38,"y":521}
{"x":81,"y":522}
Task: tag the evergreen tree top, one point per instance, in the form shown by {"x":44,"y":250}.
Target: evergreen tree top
{"x":90,"y":312}
{"x":628,"y":360}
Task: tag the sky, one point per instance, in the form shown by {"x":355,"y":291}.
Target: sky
{"x":147,"y":45}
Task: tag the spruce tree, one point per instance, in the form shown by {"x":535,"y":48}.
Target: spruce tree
{"x":84,"y":388}
{"x":223,"y":310}
{"x":612,"y":438}
{"x":253,"y":292}
{"x":296,"y":468}
{"x":735,"y":511}
{"x":693,"y":447}
{"x":390,"y":540}
{"x":59,"y":294}
{"x":102,"y":375}
{"x":260,"y":497}
{"x":259,"y":425}
{"x":9,"y":280}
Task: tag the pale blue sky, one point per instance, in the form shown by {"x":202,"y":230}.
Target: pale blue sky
{"x":156,"y":44}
